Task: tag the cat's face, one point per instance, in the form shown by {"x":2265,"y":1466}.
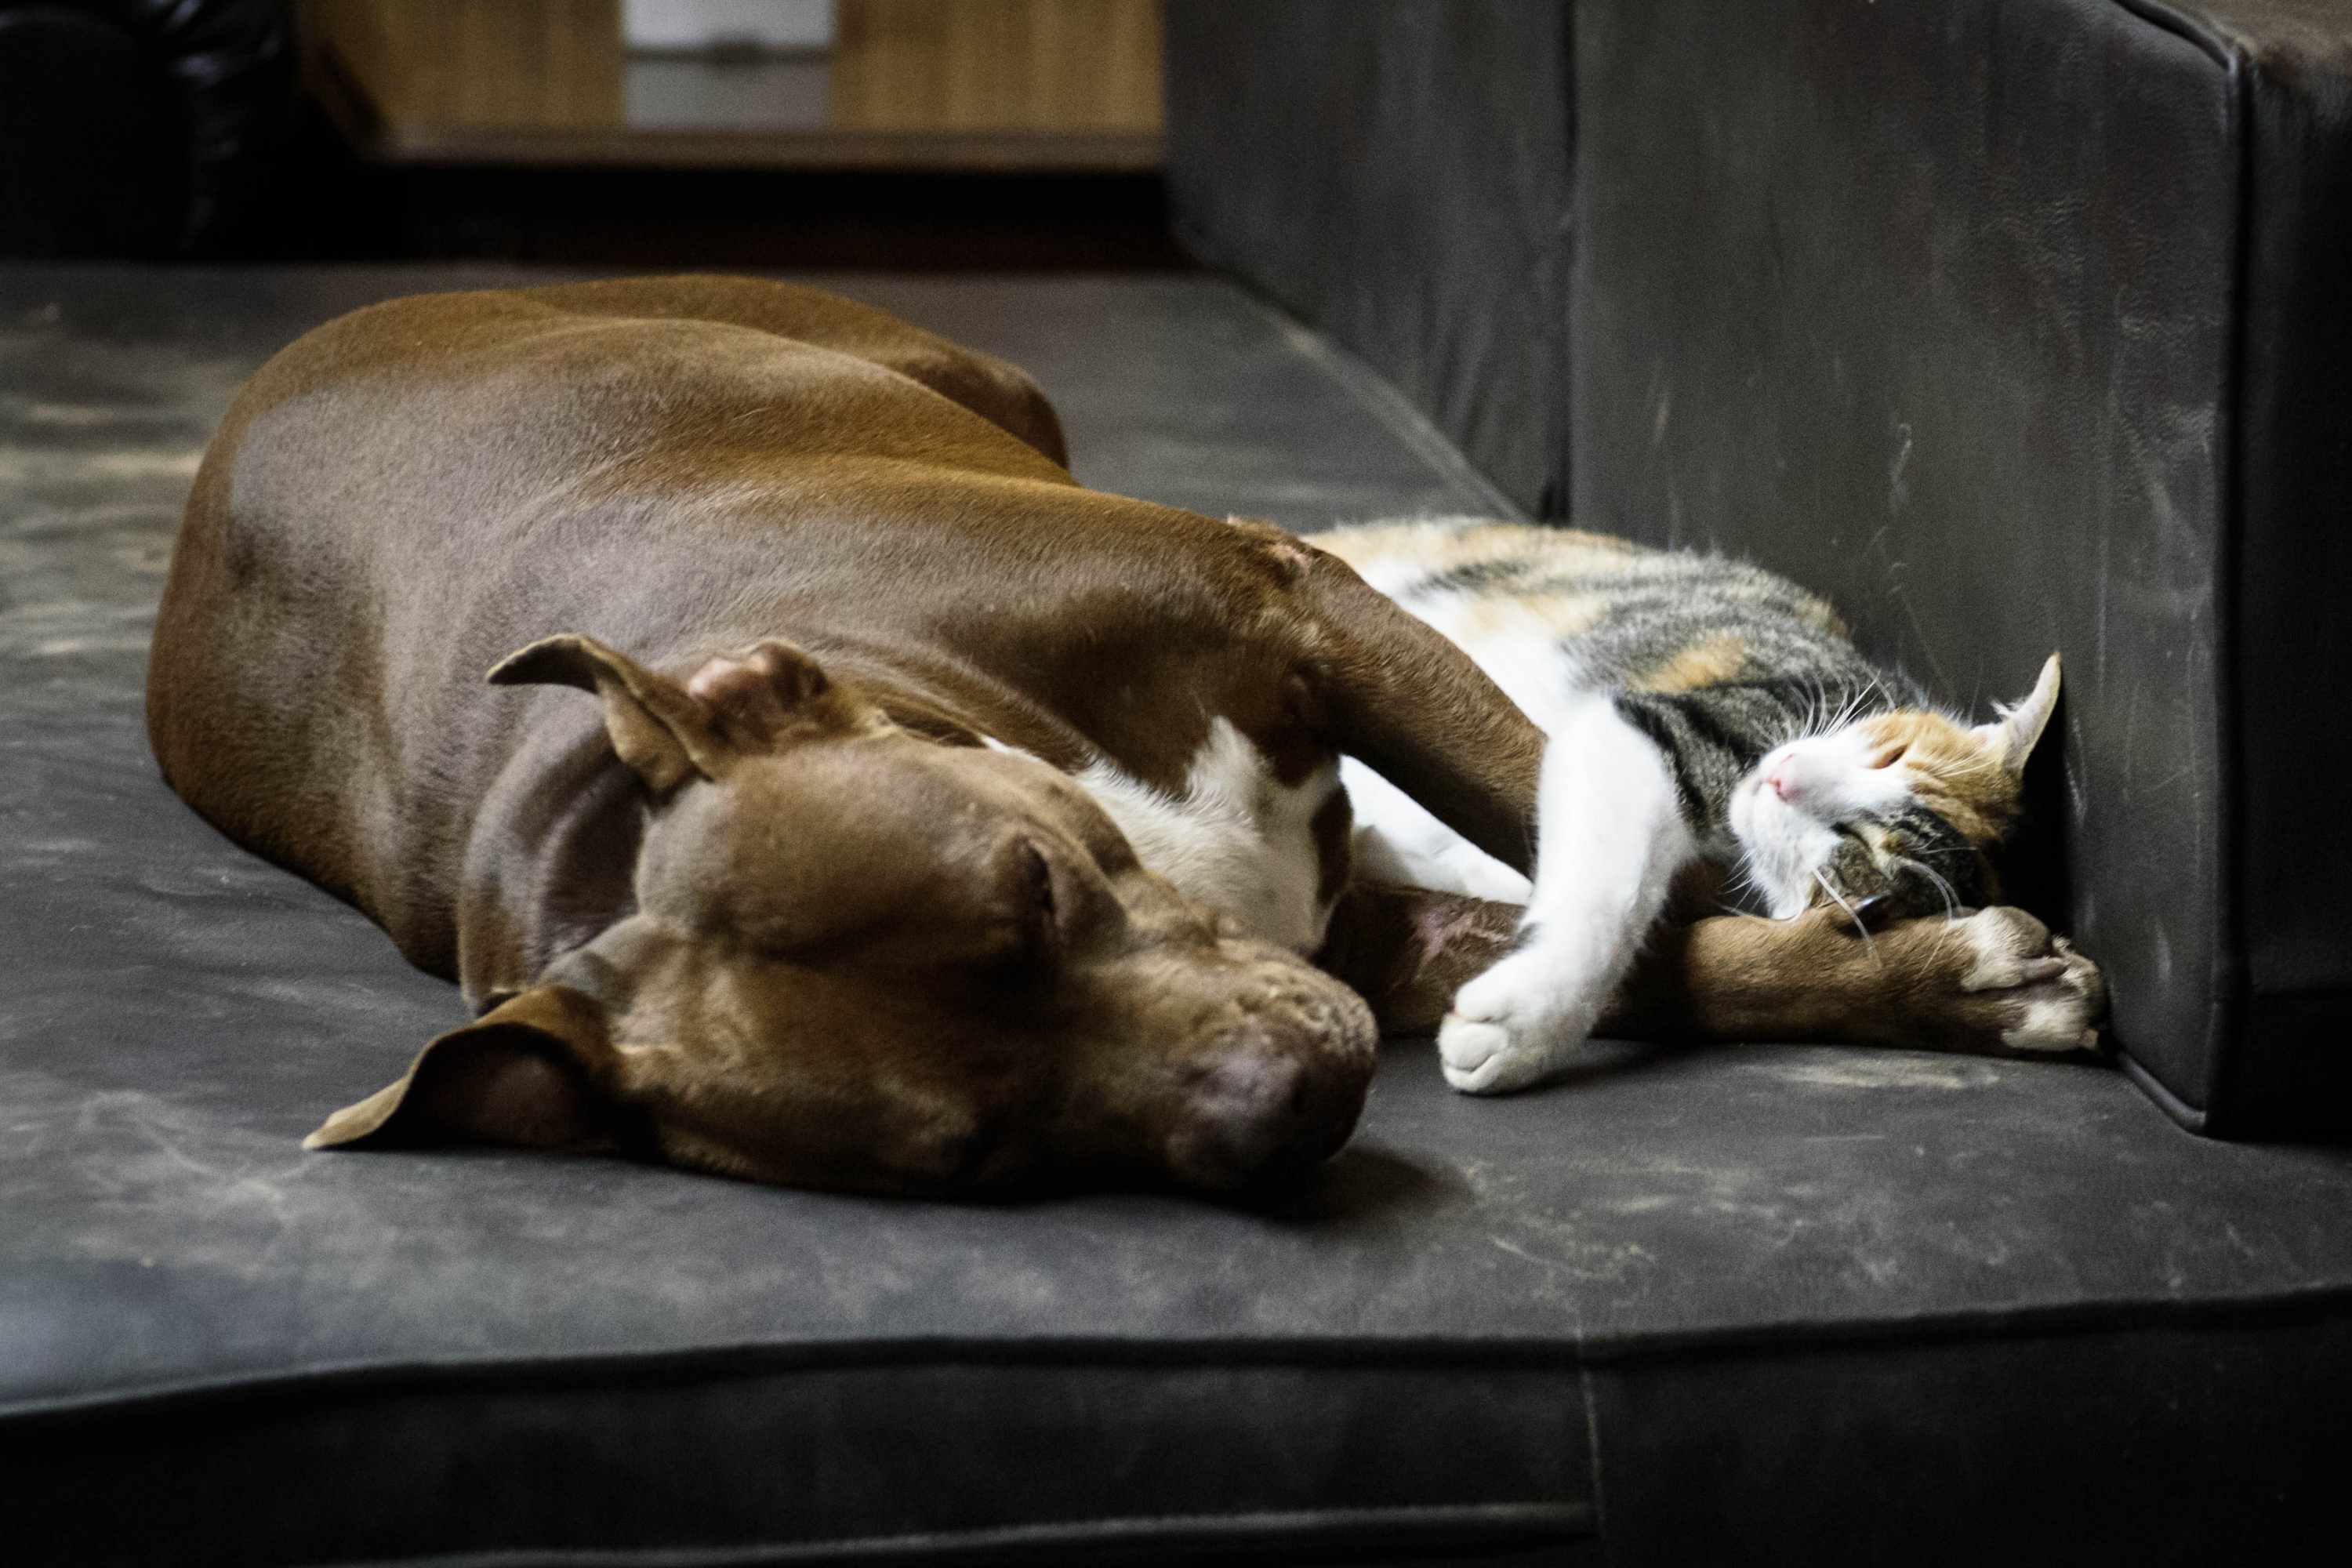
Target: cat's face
{"x":1902,"y":804}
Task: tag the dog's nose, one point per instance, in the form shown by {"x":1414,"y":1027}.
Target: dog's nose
{"x":1258,"y":1115}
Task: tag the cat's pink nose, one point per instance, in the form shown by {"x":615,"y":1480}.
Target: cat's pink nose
{"x":1782,"y":779}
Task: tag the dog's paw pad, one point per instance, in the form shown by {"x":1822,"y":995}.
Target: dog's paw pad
{"x":2060,"y":1011}
{"x":2048,"y":997}
{"x":2006,"y":947}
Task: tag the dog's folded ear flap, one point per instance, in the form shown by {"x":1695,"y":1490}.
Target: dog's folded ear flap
{"x":657,"y":727}
{"x":755,"y":700}
{"x":771,"y":694}
{"x":534,"y":1072}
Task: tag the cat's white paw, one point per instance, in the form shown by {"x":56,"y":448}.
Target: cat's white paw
{"x":1514,"y":1025}
{"x":1477,"y":1058}
{"x":2051,"y":997}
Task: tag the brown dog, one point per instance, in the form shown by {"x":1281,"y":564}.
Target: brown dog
{"x":1003,"y":866}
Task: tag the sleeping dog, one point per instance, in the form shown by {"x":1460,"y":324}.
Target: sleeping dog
{"x":855,"y":800}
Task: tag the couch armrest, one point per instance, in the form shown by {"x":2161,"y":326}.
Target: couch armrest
{"x":2020,"y":326}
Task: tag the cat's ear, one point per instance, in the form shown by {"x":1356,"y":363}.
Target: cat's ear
{"x":2012,"y":736}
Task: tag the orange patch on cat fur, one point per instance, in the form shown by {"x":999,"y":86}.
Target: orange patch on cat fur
{"x":1717,"y":659}
{"x":1954,"y":771}
{"x":1586,"y":539}
{"x":1817,"y":613}
{"x":1437,"y":547}
{"x":1534,"y":615}
{"x":1432,"y":547}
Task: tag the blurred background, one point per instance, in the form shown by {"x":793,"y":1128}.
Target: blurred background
{"x":904,"y":134}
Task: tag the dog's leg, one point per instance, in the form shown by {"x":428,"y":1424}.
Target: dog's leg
{"x":1407,"y":701}
{"x":1406,"y":950}
{"x":1995,"y":980}
{"x":1403,"y":699}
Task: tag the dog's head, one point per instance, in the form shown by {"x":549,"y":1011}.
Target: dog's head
{"x":864,"y":959}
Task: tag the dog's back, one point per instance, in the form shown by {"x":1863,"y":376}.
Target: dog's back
{"x":410,"y":492}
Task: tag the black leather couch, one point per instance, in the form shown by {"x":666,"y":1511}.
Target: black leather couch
{"x":1746,"y":1305}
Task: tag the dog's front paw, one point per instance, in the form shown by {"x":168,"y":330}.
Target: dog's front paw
{"x":2029,"y":986}
{"x":1514,"y":1025}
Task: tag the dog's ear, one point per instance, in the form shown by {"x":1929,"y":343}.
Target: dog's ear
{"x":771,"y":694}
{"x":657,"y":727}
{"x":755,"y":700}
{"x":535,"y":1072}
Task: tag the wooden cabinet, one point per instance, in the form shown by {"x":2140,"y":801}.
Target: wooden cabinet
{"x":940,"y":84}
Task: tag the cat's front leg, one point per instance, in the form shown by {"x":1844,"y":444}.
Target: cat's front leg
{"x":1610,"y":839}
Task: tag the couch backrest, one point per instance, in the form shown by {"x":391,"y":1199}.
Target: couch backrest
{"x":1395,"y":172}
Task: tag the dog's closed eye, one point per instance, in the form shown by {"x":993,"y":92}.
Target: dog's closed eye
{"x":1036,"y":941}
{"x":1041,"y":885}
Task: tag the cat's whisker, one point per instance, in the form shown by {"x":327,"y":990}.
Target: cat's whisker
{"x":1951,"y":894}
{"x":1740,"y":879}
{"x":1860,"y":929}
{"x":1855,"y":704}
{"x":1816,"y":711}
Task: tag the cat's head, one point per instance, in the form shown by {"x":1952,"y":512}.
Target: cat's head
{"x":1901,"y":803}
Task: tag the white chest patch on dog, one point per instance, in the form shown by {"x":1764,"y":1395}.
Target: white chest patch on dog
{"x":1237,"y":840}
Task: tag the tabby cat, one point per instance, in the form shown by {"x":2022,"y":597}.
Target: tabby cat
{"x":1703,"y":713}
